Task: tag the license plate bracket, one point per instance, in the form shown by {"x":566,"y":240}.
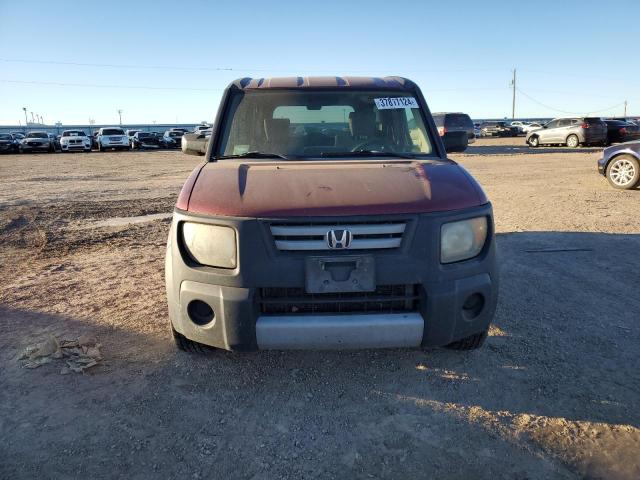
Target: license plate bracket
{"x":340,"y":274}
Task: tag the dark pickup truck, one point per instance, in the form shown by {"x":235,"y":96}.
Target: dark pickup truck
{"x":327,"y":215}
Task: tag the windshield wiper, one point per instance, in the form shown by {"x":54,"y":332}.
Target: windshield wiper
{"x":367,"y":153}
{"x":254,"y":154}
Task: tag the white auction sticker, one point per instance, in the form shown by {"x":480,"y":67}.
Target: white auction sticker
{"x":395,"y":102}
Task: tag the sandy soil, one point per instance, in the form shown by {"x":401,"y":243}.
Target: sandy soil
{"x":555,"y":392}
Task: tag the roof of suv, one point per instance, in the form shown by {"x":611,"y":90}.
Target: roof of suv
{"x":386,"y":83}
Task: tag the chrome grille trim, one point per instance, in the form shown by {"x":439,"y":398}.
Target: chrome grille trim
{"x":312,"y":237}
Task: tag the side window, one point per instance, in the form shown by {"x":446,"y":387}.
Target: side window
{"x":564,"y":123}
{"x":417,"y":131}
{"x":552,"y":124}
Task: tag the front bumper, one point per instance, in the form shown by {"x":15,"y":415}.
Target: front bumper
{"x":33,"y":148}
{"x":8,"y":148}
{"x":76,"y":147}
{"x":241,"y":323}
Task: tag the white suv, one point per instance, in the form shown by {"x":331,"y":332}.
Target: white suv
{"x":75,"y":141}
{"x":112,"y":137}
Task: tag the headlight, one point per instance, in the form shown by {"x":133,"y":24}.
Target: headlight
{"x":462,"y":240}
{"x":211,"y":245}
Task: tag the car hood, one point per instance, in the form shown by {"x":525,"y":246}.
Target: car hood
{"x":330,"y":188}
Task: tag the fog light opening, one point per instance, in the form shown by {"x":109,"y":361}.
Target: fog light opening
{"x":200,"y":312}
{"x":473,"y":305}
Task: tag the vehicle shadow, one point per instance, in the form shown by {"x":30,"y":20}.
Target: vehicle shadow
{"x":554,"y":390}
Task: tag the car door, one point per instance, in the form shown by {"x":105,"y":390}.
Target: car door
{"x":562,"y":130}
{"x":547,"y":132}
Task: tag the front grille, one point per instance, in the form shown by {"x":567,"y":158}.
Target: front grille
{"x":315,"y":236}
{"x":295,"y":301}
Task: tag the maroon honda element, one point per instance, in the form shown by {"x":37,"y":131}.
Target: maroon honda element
{"x":328,"y":216}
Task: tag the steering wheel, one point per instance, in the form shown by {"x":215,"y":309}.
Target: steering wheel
{"x":375,"y":144}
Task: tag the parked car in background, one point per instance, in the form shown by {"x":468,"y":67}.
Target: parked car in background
{"x":75,"y":141}
{"x":196,"y":142}
{"x":633,"y":120}
{"x":172,"y":139}
{"x":455,"y":129}
{"x":144,"y":140}
{"x":9,"y":143}
{"x":519,"y":125}
{"x":18,"y":135}
{"x":37,"y":142}
{"x":198,"y":128}
{"x":571,"y":132}
{"x":183,"y":130}
{"x":498,"y":129}
{"x":530,"y":127}
{"x":112,"y":138}
{"x":55,"y":140}
{"x":130,"y":134}
{"x":619,"y":131}
{"x":620,"y":164}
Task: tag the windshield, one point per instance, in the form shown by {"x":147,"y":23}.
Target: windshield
{"x":303,"y":123}
{"x":73,"y":133}
{"x":37,"y":135}
{"x":112,"y":131}
{"x":144,"y":135}
{"x":176,"y":134}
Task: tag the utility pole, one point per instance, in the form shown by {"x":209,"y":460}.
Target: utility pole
{"x":32,"y":120}
{"x":513,"y":98}
{"x":120,"y":115}
{"x":26,"y":120}
{"x":625,"y":108}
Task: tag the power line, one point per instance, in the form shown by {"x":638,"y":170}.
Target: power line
{"x":564,"y":111}
{"x":149,"y":87}
{"x":572,"y":74}
{"x":228,"y":69}
{"x":92,"y":85}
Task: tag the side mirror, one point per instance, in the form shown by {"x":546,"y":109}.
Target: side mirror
{"x":455,"y":141}
{"x":194,"y":143}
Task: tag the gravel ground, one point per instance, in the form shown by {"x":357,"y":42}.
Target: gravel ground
{"x":554,"y":393}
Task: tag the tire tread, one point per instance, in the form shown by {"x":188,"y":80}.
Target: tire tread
{"x":186,"y":345}
{"x":471,"y":342}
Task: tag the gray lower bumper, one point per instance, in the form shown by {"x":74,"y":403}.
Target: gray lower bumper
{"x":339,"y":331}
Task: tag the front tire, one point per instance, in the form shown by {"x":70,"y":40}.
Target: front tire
{"x":623,"y":172}
{"x":573,"y":141}
{"x":533,"y":141}
{"x":469,"y":343}
{"x":186,"y":345}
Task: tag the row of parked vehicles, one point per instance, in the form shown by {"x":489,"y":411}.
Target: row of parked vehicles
{"x":458,"y":131}
{"x":106,"y":138}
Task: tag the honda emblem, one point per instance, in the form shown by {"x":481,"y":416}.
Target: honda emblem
{"x":337,"y":239}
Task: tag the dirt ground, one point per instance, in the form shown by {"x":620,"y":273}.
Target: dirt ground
{"x":554,"y":393}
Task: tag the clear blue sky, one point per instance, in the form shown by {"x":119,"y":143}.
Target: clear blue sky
{"x":576,"y":56}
